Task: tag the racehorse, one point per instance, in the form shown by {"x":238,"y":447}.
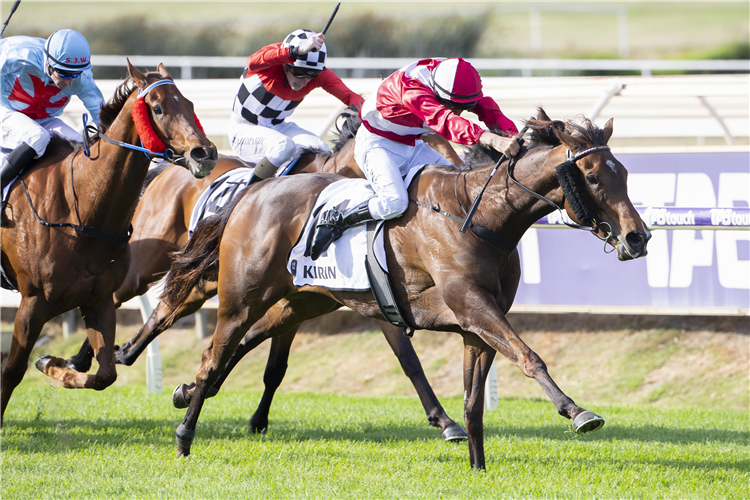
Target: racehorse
{"x":53,"y":265}
{"x":160,"y":227}
{"x":443,"y":279}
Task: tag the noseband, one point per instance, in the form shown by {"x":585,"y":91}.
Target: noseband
{"x":574,"y":190}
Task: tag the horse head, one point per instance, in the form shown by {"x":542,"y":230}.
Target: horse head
{"x":171,"y":121}
{"x":594,"y":184}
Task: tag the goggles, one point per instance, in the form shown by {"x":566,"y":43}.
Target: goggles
{"x":303,"y":72}
{"x":464,"y":106}
{"x":67,"y":75}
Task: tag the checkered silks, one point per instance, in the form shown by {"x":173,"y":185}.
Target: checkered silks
{"x":312,"y":60}
{"x":260,"y":107}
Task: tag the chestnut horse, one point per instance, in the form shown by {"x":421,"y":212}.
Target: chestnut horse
{"x":443,"y":279}
{"x":161,"y":227}
{"x":57,"y":269}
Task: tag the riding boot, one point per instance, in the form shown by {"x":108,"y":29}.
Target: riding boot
{"x":13,"y":164}
{"x":263,"y":170}
{"x":332,"y":224}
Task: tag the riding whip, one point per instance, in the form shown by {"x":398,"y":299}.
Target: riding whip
{"x":467,"y":221}
{"x":18,"y":2}
{"x":330,"y":20}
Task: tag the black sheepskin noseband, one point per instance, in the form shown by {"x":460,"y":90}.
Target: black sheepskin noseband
{"x":574,"y":188}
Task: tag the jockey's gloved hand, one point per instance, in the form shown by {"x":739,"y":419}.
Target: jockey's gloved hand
{"x":508,"y":146}
{"x":314,"y":42}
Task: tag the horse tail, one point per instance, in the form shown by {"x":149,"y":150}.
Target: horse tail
{"x":196,"y":258}
{"x":348,"y":128}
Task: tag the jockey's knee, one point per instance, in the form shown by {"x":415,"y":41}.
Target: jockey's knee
{"x":39,"y":140}
{"x":386,"y":207}
{"x":281,"y":151}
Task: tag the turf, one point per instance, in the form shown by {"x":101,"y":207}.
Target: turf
{"x":120,"y":444}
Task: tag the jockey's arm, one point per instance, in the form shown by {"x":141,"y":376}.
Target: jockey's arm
{"x":506,"y":145}
{"x":332,"y":84}
{"x":270,"y":55}
{"x":91,"y":96}
{"x":489,"y":112}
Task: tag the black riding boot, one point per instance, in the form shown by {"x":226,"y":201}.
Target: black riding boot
{"x":13,"y":165}
{"x":332,"y":224}
{"x":263,"y":170}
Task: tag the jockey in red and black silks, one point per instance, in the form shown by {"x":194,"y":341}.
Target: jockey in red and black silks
{"x":38,"y":78}
{"x":277,"y":78}
{"x":425,"y":97}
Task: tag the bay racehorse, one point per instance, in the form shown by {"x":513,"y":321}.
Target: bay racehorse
{"x":57,"y":269}
{"x":160,"y":227}
{"x":443,"y":279}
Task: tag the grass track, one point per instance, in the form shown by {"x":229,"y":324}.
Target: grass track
{"x":120,"y":444}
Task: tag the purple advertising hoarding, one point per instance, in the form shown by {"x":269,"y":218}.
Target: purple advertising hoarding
{"x":685,"y":268}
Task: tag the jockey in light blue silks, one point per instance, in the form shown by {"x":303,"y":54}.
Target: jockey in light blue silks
{"x":38,"y":78}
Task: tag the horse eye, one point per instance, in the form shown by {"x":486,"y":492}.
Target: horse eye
{"x":157,"y":110}
{"x":591,"y":179}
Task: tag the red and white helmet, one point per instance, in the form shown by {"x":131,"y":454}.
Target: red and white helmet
{"x":457,"y":83}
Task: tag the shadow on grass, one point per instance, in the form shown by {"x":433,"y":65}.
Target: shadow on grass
{"x":62,"y":436}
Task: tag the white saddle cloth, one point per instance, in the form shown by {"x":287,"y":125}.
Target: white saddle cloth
{"x":219,"y":193}
{"x":342,"y":266}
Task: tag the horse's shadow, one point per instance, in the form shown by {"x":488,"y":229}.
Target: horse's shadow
{"x":73,"y":434}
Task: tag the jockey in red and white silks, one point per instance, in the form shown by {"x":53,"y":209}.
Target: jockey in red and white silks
{"x":38,"y":78}
{"x":428,"y":95}
{"x":276,"y":80}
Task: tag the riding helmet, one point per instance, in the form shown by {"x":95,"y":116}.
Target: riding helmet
{"x":67,"y":50}
{"x":457,"y":81}
{"x":311,"y":60}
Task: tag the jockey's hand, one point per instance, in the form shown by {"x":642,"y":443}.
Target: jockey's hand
{"x":315,"y":42}
{"x":506,"y":145}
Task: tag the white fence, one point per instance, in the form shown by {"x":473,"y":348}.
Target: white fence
{"x":696,"y":107}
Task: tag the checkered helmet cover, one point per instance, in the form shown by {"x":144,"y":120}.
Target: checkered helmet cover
{"x":311,"y":60}
{"x":456,"y":80}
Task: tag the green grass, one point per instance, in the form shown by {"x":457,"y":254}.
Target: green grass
{"x":120,"y":443}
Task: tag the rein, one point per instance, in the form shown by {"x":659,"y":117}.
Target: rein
{"x":92,"y":232}
{"x":91,"y":132}
{"x":569,"y":162}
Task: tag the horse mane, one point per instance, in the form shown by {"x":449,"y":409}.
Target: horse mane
{"x":542,"y":135}
{"x":348,"y":129}
{"x":112,"y":108}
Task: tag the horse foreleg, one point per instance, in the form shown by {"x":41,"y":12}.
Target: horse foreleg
{"x":477,"y":312}
{"x":477,"y":362}
{"x":156,"y":323}
{"x":81,"y":362}
{"x":31,"y":316}
{"x":407,"y":357}
{"x":100,"y":328}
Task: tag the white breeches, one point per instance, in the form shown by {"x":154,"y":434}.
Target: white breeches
{"x":385,"y":163}
{"x":279,"y":144}
{"x":17,"y":128}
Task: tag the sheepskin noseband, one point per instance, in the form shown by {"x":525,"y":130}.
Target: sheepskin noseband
{"x":142,"y":121}
{"x":574,"y":188}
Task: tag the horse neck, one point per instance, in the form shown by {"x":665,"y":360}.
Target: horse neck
{"x":507,"y":209}
{"x":111,"y":181}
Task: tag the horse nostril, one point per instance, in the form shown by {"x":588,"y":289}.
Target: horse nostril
{"x":200,"y":153}
{"x":636,"y":240}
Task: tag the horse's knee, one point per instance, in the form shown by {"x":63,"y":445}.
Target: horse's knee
{"x":532,"y":365}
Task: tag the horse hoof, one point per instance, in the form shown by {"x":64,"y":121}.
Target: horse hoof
{"x":42,"y":362}
{"x":454,"y":433}
{"x":178,"y":397}
{"x":588,"y":421}
{"x":182,"y":452}
{"x":184,"y":438}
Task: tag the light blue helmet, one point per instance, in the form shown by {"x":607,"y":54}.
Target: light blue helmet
{"x":67,"y":50}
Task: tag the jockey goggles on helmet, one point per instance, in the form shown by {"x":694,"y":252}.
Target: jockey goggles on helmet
{"x":67,"y":75}
{"x":300,"y":72}
{"x":68,"y":52}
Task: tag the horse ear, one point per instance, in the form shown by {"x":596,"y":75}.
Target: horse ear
{"x":608,"y":130}
{"x":573,"y":143}
{"x":164,"y":72}
{"x":137,"y":76}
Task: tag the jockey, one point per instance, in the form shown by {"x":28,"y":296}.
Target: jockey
{"x":427,"y":96}
{"x":275,"y":81}
{"x":38,"y":78}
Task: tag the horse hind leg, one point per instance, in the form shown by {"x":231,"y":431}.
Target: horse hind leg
{"x":407,"y":357}
{"x":478,"y":357}
{"x":156,"y":324}
{"x":100,"y":328}
{"x":31,"y":316}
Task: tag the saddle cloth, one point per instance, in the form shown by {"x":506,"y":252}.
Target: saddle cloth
{"x":342,"y":266}
{"x":219,"y":193}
